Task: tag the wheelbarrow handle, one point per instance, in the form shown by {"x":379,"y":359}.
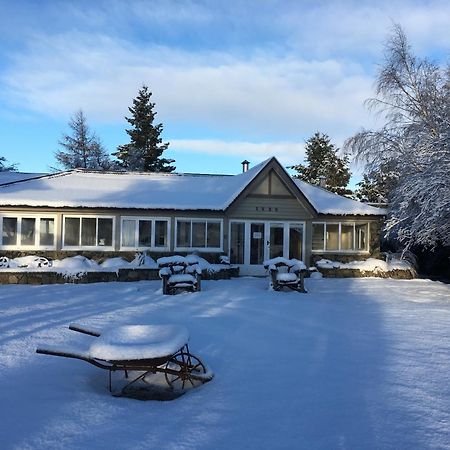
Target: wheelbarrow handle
{"x":82,"y":329}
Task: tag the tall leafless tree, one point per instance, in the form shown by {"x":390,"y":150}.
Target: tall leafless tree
{"x":413,"y":96}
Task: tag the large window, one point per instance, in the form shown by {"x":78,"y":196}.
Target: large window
{"x":199,"y":234}
{"x":340,"y":237}
{"x":144,"y":233}
{"x":27,"y":232}
{"x":94,"y":232}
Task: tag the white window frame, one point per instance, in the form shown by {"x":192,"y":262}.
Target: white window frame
{"x":199,"y":249}
{"x":106,"y":248}
{"x":334,"y":222}
{"x":151,"y":219}
{"x":37,"y":234}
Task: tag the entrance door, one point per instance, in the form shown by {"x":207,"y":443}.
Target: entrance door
{"x":296,"y":233}
{"x":253,"y":242}
{"x":257,"y":243}
{"x":276,"y":240}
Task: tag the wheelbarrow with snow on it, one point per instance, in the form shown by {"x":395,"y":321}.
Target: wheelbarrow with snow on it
{"x":140,"y":351}
{"x":286,"y":273}
{"x":178,"y":273}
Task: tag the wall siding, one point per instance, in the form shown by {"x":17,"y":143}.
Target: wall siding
{"x":270,"y":208}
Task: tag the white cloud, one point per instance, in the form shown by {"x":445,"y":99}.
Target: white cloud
{"x":262,"y":95}
{"x":283,"y":90}
{"x":287,"y":153}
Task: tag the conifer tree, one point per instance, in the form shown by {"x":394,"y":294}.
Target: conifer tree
{"x":82,"y":148}
{"x":5,"y":166}
{"x":146,"y":147}
{"x":322,"y":161}
{"x":377,"y":184}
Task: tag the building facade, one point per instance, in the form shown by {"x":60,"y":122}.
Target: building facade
{"x":256,"y":215}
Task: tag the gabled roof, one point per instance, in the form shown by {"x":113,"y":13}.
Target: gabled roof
{"x":81,"y":188}
{"x":92,"y":189}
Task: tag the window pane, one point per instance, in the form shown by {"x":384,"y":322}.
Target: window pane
{"x":88,"y":231}
{"x":237,"y":243}
{"x":183,"y":234}
{"x":361,"y":237}
{"x":213,"y":238}
{"x":296,"y":241}
{"x":145,"y":233}
{"x":47,"y":232}
{"x":161,"y":233}
{"x":105,"y":231}
{"x":317,"y":236}
{"x":9,"y":232}
{"x":332,"y":236}
{"x":276,"y":240}
{"x":347,"y":237}
{"x":72,"y":231}
{"x":128,"y":233}
{"x":28,"y":231}
{"x":198,"y":234}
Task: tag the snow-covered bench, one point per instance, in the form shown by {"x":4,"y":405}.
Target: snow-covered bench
{"x":286,"y":273}
{"x":178,"y":273}
{"x":4,"y":262}
{"x":25,"y":261}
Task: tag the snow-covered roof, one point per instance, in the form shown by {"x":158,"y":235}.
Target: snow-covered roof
{"x":11,"y":177}
{"x":82,"y":188}
{"x":326,"y":202}
{"x":90,"y":189}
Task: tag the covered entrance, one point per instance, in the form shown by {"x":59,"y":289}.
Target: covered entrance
{"x":252,"y":242}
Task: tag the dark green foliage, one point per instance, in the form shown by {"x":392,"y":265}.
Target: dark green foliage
{"x":83,"y":148}
{"x":322,"y":161}
{"x":376,"y":185}
{"x":144,"y":151}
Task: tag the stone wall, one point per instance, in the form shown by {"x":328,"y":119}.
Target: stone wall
{"x":48,"y":277}
{"x":99,"y":256}
{"x":355,"y":273}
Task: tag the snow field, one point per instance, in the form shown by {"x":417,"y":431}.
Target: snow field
{"x":353,"y":364}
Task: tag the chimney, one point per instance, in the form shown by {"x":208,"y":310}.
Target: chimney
{"x":245,"y":165}
{"x":322,"y":181}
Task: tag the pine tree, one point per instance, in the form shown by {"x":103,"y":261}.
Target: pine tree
{"x":83,"y":148}
{"x":144,"y":151}
{"x":324,"y":163}
{"x":5,"y":166}
{"x":376,"y":185}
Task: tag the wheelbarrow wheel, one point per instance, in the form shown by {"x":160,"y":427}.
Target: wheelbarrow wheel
{"x":184,"y":371}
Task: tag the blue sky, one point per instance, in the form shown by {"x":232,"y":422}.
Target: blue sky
{"x":231,"y":80}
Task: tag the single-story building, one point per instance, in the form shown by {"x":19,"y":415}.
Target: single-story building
{"x":258,"y":214}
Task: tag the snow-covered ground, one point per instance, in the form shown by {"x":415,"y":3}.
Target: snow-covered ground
{"x":353,"y":364}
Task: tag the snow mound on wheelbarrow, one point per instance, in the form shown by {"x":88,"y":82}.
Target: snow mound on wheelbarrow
{"x":135,"y":342}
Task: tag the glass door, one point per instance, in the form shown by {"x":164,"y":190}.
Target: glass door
{"x":276,"y":240}
{"x":237,"y":243}
{"x":296,"y":241}
{"x":257,"y":242}
{"x":251,"y":243}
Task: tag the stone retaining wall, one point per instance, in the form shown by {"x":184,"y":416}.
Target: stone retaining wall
{"x":356,"y":273}
{"x":48,"y":277}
